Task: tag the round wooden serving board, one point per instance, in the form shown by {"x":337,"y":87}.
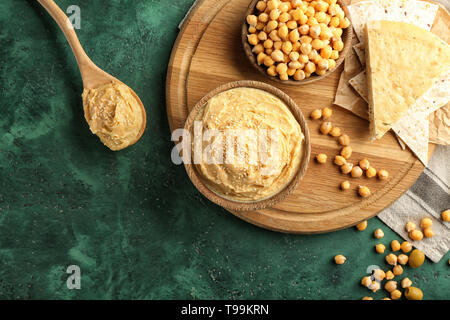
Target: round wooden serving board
{"x":208,"y":53}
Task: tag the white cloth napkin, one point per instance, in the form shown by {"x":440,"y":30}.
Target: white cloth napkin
{"x":428,"y":197}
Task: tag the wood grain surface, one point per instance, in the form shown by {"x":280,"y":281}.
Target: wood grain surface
{"x":208,"y":53}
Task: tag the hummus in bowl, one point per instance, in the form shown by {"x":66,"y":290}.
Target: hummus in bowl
{"x":249,"y":145}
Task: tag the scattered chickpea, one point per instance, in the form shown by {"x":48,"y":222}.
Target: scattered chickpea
{"x":325,"y":127}
{"x":364,"y":192}
{"x":356,"y":172}
{"x":344,"y":140}
{"x":416,"y":258}
{"x":375,"y":286}
{"x":445,"y":215}
{"x":395,"y":245}
{"x":367,"y":298}
{"x":346,"y":152}
{"x":389,"y":275}
{"x":428,"y":232}
{"x":327,"y":112}
{"x":410,"y":226}
{"x":391,"y":259}
{"x":321,"y":158}
{"x":383,"y":174}
{"x":345,"y":185}
{"x":378,"y":234}
{"x":379,"y":274}
{"x":339,"y":160}
{"x":426,"y":223}
{"x":402,"y":259}
{"x":396,"y":294}
{"x":371,"y":172}
{"x":361,"y":226}
{"x":397,"y":270}
{"x":335,"y":132}
{"x":386,"y":298}
{"x":406,"y":283}
{"x":316,"y":114}
{"x":406,"y":246}
{"x":364,"y":164}
{"x":339,"y":259}
{"x":366,"y":282}
{"x":346,"y":168}
{"x":390,"y":286}
{"x":416,"y":235}
{"x":380,"y":248}
{"x":412,"y":293}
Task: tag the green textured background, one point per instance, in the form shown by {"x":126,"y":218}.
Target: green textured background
{"x":132,"y":220}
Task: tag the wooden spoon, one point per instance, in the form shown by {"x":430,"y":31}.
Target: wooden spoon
{"x":91,"y":75}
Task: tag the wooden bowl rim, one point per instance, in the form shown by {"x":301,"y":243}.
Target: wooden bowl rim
{"x":346,"y":36}
{"x":281,"y":195}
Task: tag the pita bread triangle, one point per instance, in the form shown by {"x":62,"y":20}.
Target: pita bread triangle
{"x":402,"y":62}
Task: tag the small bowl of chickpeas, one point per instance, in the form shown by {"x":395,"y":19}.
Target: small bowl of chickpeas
{"x":296,"y":42}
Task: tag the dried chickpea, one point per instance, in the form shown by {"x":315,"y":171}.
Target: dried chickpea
{"x":287,"y":47}
{"x":294,"y":65}
{"x":367,"y":298}
{"x":267,"y":44}
{"x":260,"y":26}
{"x":364,"y":164}
{"x":272,"y":25}
{"x":261,"y":6}
{"x":303,"y":58}
{"x":410,"y":226}
{"x":306,"y":48}
{"x":325,"y":127}
{"x":397,"y":270}
{"x":412,"y":293}
{"x":294,"y":36}
{"x":396,"y":294}
{"x":338,"y":45}
{"x":260,"y":58}
{"x":316,"y":114}
{"x":364,"y":191}
{"x":371,"y":172}
{"x":268,"y":61}
{"x":416,"y":235}
{"x":322,"y":65}
{"x":325,"y":52}
{"x":306,"y":39}
{"x":274,"y":14}
{"x":345,"y":185}
{"x":310,"y":12}
{"x":253,"y":39}
{"x":335,"y":132}
{"x":273,"y":4}
{"x":402,"y":259}
{"x":282,"y":68}
{"x":252,"y":20}
{"x":379,"y":274}
{"x":334,"y":54}
{"x":339,"y":259}
{"x":283,"y":32}
{"x":366,"y":282}
{"x":374,"y":286}
{"x":344,"y":140}
{"x":310,"y":67}
{"x":378,"y":233}
{"x":339,"y":160}
{"x":379,"y":248}
{"x":299,"y":75}
{"x":291,"y":71}
{"x":445,"y":215}
{"x":426,"y":223}
{"x":273,"y":35}
{"x":391,"y":259}
{"x":356,"y":172}
{"x":252,"y":29}
{"x":390,"y":286}
{"x":346,"y":152}
{"x":363,"y":225}
{"x":269,"y":51}
{"x":335,"y":22}
{"x":344,"y":23}
{"x":259,"y":48}
{"x":272,"y":71}
{"x":284,"y":76}
{"x":346,"y":168}
{"x":406,"y":283}
{"x":277,"y":46}
{"x":263,"y":17}
{"x":406,"y":246}
{"x":321,"y":158}
{"x":292,"y":24}
{"x":314,"y":31}
{"x":327,"y":112}
{"x":317,"y":44}
{"x":416,"y":258}
{"x":304,"y":29}
{"x":284,"y":17}
{"x":395,"y":245}
{"x":383,"y":174}
{"x":277,"y":55}
{"x":389,"y":275}
{"x":428,"y":232}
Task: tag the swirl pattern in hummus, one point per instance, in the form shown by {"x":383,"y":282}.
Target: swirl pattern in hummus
{"x":246,"y":110}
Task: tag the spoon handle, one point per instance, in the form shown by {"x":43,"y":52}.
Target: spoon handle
{"x":85,"y":64}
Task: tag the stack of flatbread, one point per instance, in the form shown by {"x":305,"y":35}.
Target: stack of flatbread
{"x":407,"y":68}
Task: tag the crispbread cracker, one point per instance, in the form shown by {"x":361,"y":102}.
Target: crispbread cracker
{"x":395,"y":78}
{"x":419,"y":13}
{"x":359,"y":49}
{"x":359,"y":83}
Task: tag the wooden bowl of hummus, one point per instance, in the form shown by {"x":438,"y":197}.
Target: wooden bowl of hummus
{"x":246,"y":145}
